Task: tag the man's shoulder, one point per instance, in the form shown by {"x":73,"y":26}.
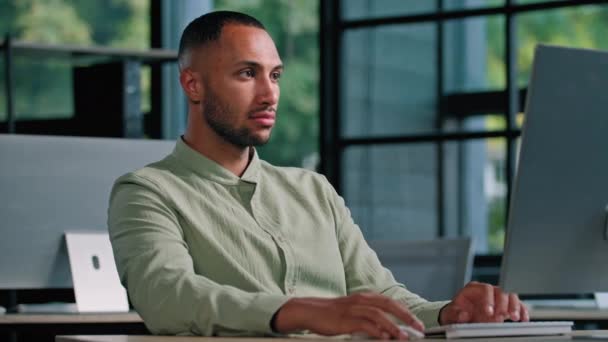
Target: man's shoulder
{"x":151,"y":175}
{"x":294,"y":174}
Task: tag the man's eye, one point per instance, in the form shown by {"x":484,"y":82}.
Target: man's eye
{"x":248,"y":73}
{"x":275,"y":76}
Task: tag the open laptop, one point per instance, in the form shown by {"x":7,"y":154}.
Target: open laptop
{"x":97,"y":287}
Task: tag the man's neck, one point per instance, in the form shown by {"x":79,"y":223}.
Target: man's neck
{"x":233,"y":158}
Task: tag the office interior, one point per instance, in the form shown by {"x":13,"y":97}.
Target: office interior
{"x":412,"y":109}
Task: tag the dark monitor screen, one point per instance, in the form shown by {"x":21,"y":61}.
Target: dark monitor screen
{"x":49,"y":185}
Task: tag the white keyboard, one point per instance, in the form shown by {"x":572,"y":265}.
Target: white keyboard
{"x":501,"y":329}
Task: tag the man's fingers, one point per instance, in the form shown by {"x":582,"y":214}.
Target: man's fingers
{"x":453,"y":313}
{"x":478,"y":300}
{"x":501,"y":305}
{"x":368,"y":328}
{"x":514,"y":307}
{"x":488,"y":293}
{"x":481,"y":297}
{"x":463,"y":317}
{"x":376,"y":317}
{"x":483,"y":303}
{"x":392,"y":307}
{"x":524,"y":314}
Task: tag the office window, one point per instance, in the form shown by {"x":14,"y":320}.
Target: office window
{"x":581,"y":27}
{"x":435,"y":76}
{"x":470,"y":4}
{"x":365,"y":9}
{"x":294,"y":27}
{"x":42,"y":84}
{"x":392,"y":190}
{"x":387,"y":89}
{"x":474,"y":55}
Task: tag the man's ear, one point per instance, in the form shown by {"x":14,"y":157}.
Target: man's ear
{"x":192,"y":85}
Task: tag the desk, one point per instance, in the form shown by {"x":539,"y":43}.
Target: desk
{"x":125,"y":338}
{"x":574,"y":314}
{"x":37,"y":319}
{"x":44,"y":327}
{"x":583,"y":318}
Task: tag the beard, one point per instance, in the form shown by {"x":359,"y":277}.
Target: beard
{"x":218,"y":117}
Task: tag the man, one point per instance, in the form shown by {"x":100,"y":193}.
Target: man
{"x":212,"y":240}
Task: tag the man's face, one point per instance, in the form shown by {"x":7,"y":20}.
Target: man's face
{"x":240,"y":76}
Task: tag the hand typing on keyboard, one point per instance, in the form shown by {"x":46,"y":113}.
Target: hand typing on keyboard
{"x":364,"y":315}
{"x":479,"y":302}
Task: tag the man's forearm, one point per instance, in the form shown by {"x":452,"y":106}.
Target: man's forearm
{"x":368,"y":313}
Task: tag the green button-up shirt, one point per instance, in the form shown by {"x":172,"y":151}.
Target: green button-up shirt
{"x":202,"y":251}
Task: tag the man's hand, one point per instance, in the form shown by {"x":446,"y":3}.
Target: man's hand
{"x":478,"y":302}
{"x":367,"y":313}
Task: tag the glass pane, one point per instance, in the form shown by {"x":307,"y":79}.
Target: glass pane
{"x":110,"y":23}
{"x":475,"y":191}
{"x":145,"y":83}
{"x":294,"y":26}
{"x":581,"y":27}
{"x":43,"y":84}
{"x":389,"y":80}
{"x":474,"y":54}
{"x":392,"y":190}
{"x":477,"y":123}
{"x":471,"y":4}
{"x":533,"y":1}
{"x":366,"y":9}
{"x":3,"y":114}
{"x":42,"y":89}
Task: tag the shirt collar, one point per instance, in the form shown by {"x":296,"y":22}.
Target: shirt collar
{"x":209,"y":169}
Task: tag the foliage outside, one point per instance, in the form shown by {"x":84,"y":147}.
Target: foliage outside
{"x":42,"y":86}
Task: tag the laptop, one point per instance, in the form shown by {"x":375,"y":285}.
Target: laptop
{"x":97,"y":287}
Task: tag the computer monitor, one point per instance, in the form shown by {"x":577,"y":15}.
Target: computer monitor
{"x":557,"y":232}
{"x":49,"y":185}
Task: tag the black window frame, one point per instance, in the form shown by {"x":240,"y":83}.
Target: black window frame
{"x":459,"y":105}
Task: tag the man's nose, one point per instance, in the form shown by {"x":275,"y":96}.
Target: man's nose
{"x":268,"y":91}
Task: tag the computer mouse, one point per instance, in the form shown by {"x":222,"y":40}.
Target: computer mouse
{"x":412,"y":334}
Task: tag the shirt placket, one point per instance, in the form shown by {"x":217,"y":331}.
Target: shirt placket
{"x":290,"y":265}
{"x":273,"y":229}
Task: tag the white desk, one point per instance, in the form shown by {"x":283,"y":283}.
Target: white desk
{"x":601,"y":335}
{"x":567,"y":314}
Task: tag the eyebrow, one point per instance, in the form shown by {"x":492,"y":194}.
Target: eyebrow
{"x":257,"y":65}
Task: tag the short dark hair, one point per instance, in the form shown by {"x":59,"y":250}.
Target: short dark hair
{"x":208,"y":28}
